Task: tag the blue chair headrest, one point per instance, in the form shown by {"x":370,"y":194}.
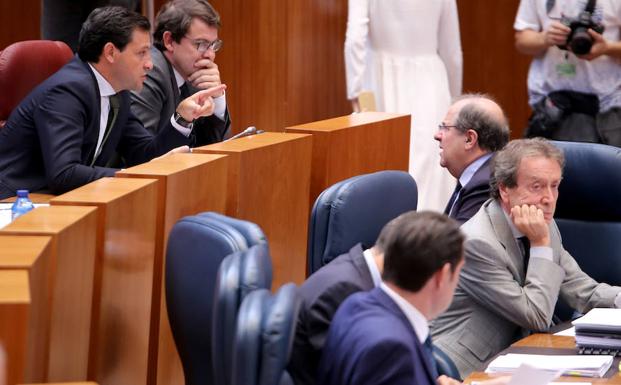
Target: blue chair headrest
{"x":251,"y":231}
{"x":355,"y":210}
{"x":591,"y":183}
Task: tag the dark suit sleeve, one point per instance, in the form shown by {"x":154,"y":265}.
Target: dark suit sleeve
{"x":211,"y":129}
{"x":61,"y":119}
{"x":387,"y":363}
{"x":322,"y":311}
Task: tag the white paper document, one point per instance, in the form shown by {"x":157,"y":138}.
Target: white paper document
{"x":603,"y":319}
{"x":585,"y":366}
{"x":569,"y":332}
{"x":526,"y":374}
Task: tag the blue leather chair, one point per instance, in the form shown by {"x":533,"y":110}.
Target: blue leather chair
{"x":196,"y":247}
{"x":355,"y":210}
{"x":264,"y":337}
{"x":588,"y":212}
{"x":239,"y":274}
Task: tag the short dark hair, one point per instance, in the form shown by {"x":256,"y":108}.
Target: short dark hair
{"x":108,"y":25}
{"x":493,"y":134}
{"x":506,"y":162}
{"x":418,"y":245}
{"x":176,"y":17}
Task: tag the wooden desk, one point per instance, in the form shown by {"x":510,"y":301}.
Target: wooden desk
{"x":123,"y":275}
{"x":14,"y":317}
{"x":542,"y":343}
{"x":187,"y":184}
{"x":355,"y":144}
{"x":71,"y":270}
{"x":269,"y":181}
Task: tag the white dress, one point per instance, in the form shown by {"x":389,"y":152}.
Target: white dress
{"x":408,"y":52}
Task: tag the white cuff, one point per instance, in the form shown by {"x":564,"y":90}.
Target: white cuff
{"x":220,"y":106}
{"x":618,"y":300}
{"x":183,"y":130}
{"x":544,"y":252}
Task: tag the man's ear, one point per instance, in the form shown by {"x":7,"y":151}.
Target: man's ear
{"x":442,"y":275}
{"x":109,"y":52}
{"x":504,"y":192}
{"x":472,"y":139}
{"x":167,"y":39}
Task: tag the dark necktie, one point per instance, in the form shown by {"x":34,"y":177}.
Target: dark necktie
{"x":449,"y":206}
{"x":525,"y":251}
{"x":428,"y":348}
{"x":184,"y":91}
{"x":115,"y":102}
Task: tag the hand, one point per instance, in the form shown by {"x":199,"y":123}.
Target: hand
{"x":199,"y":104}
{"x":444,"y":380}
{"x":530,"y":221}
{"x":599,"y":48}
{"x":176,"y":150}
{"x":206,"y":76}
{"x":556,"y":34}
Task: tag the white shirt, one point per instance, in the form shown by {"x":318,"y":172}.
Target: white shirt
{"x":219,"y":106}
{"x":105,"y":91}
{"x":416,"y":318}
{"x":375,"y":274}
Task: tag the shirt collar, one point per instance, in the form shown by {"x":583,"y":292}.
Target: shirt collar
{"x":178,"y":78}
{"x":375,"y":274}
{"x":105,"y":88}
{"x":468,"y":173}
{"x":417,"y":320}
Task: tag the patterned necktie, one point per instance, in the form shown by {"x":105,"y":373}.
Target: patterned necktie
{"x":428,"y":347}
{"x":449,"y":206}
{"x":525,"y":251}
{"x":115,"y":103}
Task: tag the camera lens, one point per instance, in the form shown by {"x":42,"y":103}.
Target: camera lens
{"x":581,"y":42}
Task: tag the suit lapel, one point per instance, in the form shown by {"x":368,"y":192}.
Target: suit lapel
{"x":505,"y":237}
{"x":391,"y":306}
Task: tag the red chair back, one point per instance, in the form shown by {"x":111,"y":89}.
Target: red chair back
{"x":23,"y":66}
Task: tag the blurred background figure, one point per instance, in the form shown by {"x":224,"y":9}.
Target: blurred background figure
{"x":62,"y":19}
{"x":408,"y":52}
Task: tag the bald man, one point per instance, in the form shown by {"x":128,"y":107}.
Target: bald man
{"x":472,"y":130}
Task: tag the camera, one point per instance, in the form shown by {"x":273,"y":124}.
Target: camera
{"x":579,"y":39}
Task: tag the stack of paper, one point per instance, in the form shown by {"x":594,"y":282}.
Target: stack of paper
{"x":584,"y":366}
{"x":599,"y":328}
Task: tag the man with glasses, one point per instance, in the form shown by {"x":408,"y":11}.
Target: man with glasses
{"x":473,"y":129}
{"x":185,"y":46}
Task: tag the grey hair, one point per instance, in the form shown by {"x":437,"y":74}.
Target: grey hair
{"x":506,"y":162}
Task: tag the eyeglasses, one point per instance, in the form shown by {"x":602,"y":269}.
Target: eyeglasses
{"x":203,"y":45}
{"x":445,"y":127}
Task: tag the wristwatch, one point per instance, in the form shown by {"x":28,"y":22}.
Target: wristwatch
{"x":182,"y":122}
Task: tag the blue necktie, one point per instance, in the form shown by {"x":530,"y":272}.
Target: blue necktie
{"x":428,"y":347}
{"x":451,"y":201}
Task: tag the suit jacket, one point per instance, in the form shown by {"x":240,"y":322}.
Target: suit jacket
{"x":49,"y":141}
{"x":371,"y":342}
{"x":473,"y":194}
{"x":159,"y":98}
{"x":321,"y":294}
{"x":496,"y":301}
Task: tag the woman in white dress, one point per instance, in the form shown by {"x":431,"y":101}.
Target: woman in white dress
{"x":408,"y":52}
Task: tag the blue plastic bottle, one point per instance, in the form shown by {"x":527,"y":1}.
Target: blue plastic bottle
{"x":22,"y":205}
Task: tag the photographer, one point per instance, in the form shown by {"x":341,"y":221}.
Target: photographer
{"x":574,"y":81}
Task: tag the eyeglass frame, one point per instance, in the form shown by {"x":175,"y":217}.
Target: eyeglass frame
{"x":445,"y":127}
{"x":215,"y":45}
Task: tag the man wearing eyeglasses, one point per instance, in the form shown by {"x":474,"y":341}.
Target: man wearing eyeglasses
{"x":473,"y":129}
{"x":185,"y":46}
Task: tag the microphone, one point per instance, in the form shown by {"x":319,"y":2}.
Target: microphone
{"x":252,"y":130}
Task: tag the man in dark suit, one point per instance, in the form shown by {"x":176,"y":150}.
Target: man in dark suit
{"x":185,"y":46}
{"x":380,"y":336}
{"x":473,"y":129}
{"x":65,"y":131}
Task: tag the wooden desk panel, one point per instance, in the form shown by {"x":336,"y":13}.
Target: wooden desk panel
{"x":32,"y":254}
{"x":71,"y":266}
{"x":187,"y":184}
{"x":14,"y":317}
{"x":123,"y":275}
{"x":356,"y":144}
{"x":269,"y":182}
